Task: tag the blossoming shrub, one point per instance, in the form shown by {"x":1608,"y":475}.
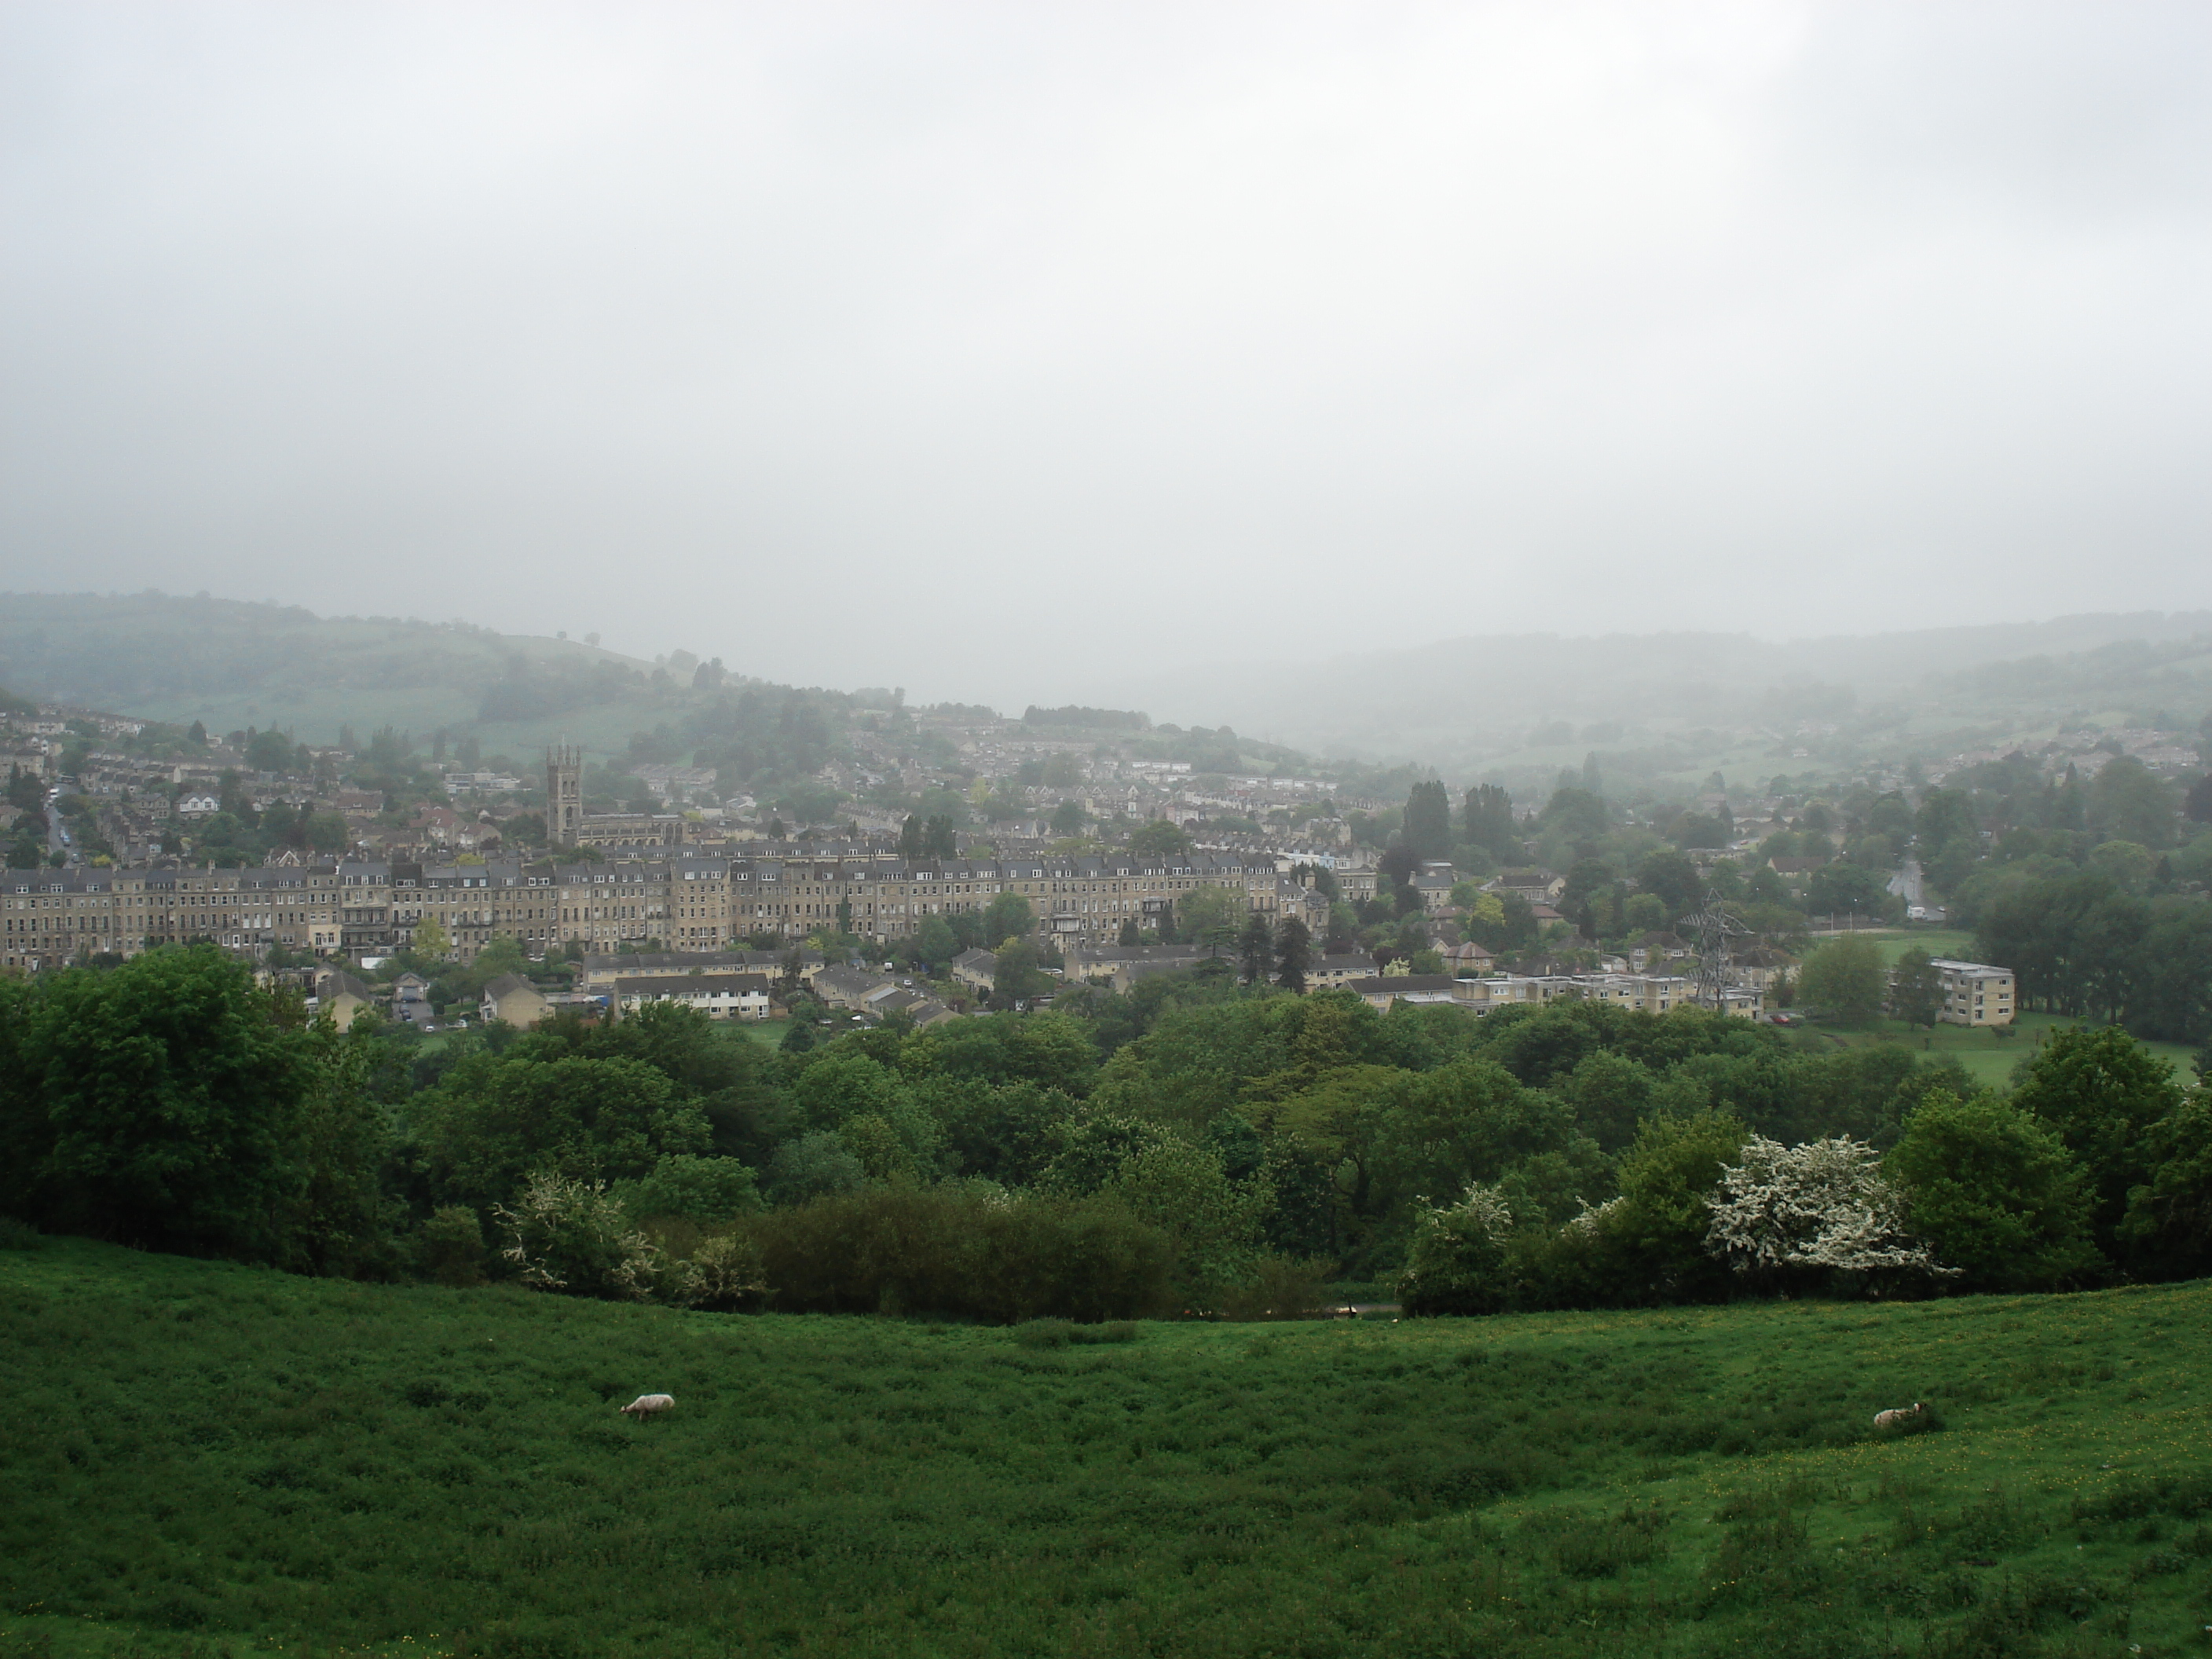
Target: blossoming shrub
{"x":1457,"y":1264}
{"x":1822,"y":1205}
{"x":564,"y":1235}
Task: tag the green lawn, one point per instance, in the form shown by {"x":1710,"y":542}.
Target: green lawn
{"x":200,"y":1458}
{"x":769,"y":1031}
{"x":1987,"y":1057}
{"x":1937,"y":941}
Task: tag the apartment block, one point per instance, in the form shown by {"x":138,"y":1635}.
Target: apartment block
{"x":1975,"y":994}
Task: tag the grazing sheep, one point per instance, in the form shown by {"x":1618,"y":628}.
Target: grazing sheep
{"x":1890,"y":1419}
{"x":648,"y":1405}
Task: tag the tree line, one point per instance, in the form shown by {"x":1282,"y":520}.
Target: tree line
{"x":1196,"y":1144}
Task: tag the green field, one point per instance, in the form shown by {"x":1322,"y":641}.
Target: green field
{"x":1937,"y":941}
{"x":200,"y":1458}
{"x":769,"y":1032}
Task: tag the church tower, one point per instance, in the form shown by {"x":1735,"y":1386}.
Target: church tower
{"x":564,"y":795}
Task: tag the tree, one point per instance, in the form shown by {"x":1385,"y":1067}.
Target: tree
{"x":2198,"y":805}
{"x":2168,"y":1230}
{"x":1212,"y":915}
{"x":1427,"y":828}
{"x":269,"y":751}
{"x":1007,"y":917}
{"x":1610,"y":1095}
{"x":1821,"y":1205}
{"x":1671,"y":879}
{"x":159,"y":1104}
{"x":1214,"y":1222}
{"x":1916,"y":989}
{"x":431,"y":940}
{"x":1019,"y":977}
{"x":1293,"y":954}
{"x":1486,"y":821}
{"x":939,"y":836}
{"x":1994,"y":1193}
{"x":1651,"y":1238}
{"x":1130,"y":936}
{"x":704,"y":1190}
{"x":1069,"y":818}
{"x":1458,"y":1261}
{"x":1846,"y":974}
{"x":910,"y":839}
{"x":2101,"y":1091}
{"x":1161,"y":838}
{"x":933,"y":942}
{"x":1255,"y":950}
{"x":2127,"y":801}
{"x":1842,"y":889}
{"x":495,"y":1120}
{"x":1576,"y":813}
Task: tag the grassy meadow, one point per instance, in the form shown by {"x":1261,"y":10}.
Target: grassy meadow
{"x":1987,"y":1058}
{"x":203,"y":1459}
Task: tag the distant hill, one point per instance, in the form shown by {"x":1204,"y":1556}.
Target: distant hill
{"x":1467,"y":703}
{"x":1661,"y":709}
{"x":232,"y":663}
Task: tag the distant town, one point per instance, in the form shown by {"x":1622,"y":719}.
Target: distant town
{"x":1031,"y":855}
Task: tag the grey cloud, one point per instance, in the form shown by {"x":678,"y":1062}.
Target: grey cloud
{"x":1002,"y":350}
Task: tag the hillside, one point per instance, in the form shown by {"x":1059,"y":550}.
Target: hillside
{"x":232,"y":665}
{"x":1661,"y":710}
{"x":198,"y":1453}
{"x":1485,"y":703}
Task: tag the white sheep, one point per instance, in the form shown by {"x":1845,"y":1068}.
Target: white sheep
{"x":648,"y":1405}
{"x":1890,"y":1419}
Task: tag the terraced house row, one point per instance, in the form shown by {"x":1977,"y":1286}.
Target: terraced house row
{"x":688,"y":903}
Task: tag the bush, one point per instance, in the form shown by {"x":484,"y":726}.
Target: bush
{"x":18,"y":1235}
{"x":1280,"y":1287}
{"x":1059,"y":1333}
{"x":725,"y":1273}
{"x":907,"y":1248}
{"x":1995,"y":1194}
{"x":1457,"y":1264}
{"x":571,"y":1236}
{"x":450,"y":1249}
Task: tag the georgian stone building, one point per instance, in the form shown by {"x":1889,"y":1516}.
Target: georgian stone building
{"x":690,"y":903}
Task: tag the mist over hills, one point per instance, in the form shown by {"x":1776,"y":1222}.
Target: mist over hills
{"x":1462,"y":704}
{"x":1515,"y":706}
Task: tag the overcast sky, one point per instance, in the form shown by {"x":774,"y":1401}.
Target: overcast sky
{"x":998,"y":351}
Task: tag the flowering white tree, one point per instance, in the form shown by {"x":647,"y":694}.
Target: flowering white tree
{"x":1823,"y":1204}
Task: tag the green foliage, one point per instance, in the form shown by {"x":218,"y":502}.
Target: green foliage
{"x":1210,"y":914}
{"x":1916,"y":989}
{"x":497,"y":1119}
{"x":1427,"y":824}
{"x":705,"y":1190}
{"x":813,"y":1166}
{"x":2101,"y":1092}
{"x":2168,"y":1228}
{"x":1161,"y":838}
{"x":159,"y":1103}
{"x":956,"y":1250}
{"x":1995,"y":1194}
{"x":1844,"y":974}
{"x":573,"y":1236}
{"x":1457,"y":1264}
{"x":1651,"y":1239}
{"x":450,"y":1248}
